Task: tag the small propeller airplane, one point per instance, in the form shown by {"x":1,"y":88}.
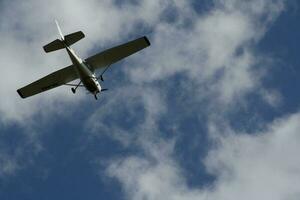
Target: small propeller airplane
{"x":82,"y":69}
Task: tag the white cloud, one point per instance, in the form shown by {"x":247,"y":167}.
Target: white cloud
{"x":17,"y":149}
{"x":264,"y":165}
{"x":202,"y":49}
{"x":135,"y":104}
{"x":215,"y":51}
{"x":103,"y":22}
{"x":261,"y":165}
{"x":8,"y":165}
{"x":272,"y":97}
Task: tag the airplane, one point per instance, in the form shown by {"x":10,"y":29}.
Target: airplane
{"x":81,"y":69}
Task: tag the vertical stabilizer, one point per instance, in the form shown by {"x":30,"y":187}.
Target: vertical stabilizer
{"x":64,"y":41}
{"x":59,"y":30}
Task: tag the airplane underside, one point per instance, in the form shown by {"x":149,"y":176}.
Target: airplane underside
{"x":81,"y":69}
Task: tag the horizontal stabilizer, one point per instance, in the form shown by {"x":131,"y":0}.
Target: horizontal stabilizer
{"x":53,"y":46}
{"x":68,"y":41}
{"x":73,"y":37}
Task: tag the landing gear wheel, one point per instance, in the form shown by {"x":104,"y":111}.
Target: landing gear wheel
{"x":73,"y":90}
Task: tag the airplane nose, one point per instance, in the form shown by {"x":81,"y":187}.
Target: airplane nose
{"x":96,"y":92}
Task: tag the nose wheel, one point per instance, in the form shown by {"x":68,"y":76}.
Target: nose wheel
{"x":73,"y":90}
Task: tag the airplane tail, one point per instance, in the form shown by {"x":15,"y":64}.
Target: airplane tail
{"x":64,"y":41}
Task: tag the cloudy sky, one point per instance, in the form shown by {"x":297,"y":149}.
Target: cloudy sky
{"x":210,"y":111}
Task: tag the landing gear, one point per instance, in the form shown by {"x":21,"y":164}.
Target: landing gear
{"x":101,"y":75}
{"x":96,"y":97}
{"x":74,"y":89}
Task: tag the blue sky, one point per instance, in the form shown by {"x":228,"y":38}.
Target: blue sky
{"x":209,"y":111}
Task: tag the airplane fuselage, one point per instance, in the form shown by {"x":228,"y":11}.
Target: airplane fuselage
{"x":81,"y":69}
{"x":87,"y":77}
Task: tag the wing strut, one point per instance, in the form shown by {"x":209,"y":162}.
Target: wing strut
{"x":101,"y":75}
{"x":74,"y":85}
{"x":74,"y":89}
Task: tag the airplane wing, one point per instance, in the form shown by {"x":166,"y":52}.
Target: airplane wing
{"x":50,"y":81}
{"x":117,"y":53}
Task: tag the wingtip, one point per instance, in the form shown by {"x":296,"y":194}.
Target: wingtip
{"x":20,"y":93}
{"x":147,"y":40}
{"x":45,"y":49}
